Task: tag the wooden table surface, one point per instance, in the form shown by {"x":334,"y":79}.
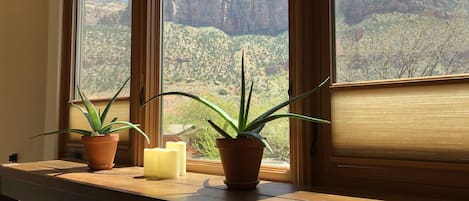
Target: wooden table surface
{"x":128,"y":183}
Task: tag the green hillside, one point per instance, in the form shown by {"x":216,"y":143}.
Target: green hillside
{"x":208,"y":55}
{"x":206,"y":61}
{"x":105,"y":59}
{"x":401,"y":45}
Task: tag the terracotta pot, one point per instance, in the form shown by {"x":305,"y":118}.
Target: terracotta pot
{"x":241,"y":160}
{"x":100,"y":151}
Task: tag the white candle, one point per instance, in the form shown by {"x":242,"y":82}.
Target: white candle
{"x":168,"y":162}
{"x":150,"y":162}
{"x":181,"y":148}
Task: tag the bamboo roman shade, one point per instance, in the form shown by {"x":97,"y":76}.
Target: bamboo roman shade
{"x":429,"y":123}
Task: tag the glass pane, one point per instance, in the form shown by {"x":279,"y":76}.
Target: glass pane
{"x":382,"y":39}
{"x":103,"y":47}
{"x":203,"y":42}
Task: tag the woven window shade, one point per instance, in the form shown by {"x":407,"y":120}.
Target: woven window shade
{"x":119,"y":109}
{"x":425,"y":123}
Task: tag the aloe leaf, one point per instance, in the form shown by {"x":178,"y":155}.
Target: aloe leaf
{"x":109,"y":104}
{"x":243,"y":98}
{"x":204,"y":101}
{"x":257,"y":136}
{"x":219,"y":130}
{"x":114,"y":119}
{"x":83,"y":110}
{"x":108,"y":128}
{"x":119,"y":129}
{"x":259,"y":128}
{"x":288,"y":115}
{"x":70,"y":130}
{"x":287,"y":102}
{"x":105,"y":130}
{"x":134,"y":126}
{"x":93,"y":113}
{"x":248,"y":104}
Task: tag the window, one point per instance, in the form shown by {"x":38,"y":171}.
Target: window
{"x":98,"y":63}
{"x":202,"y":46}
{"x":399,"y":99}
{"x":391,"y":41}
{"x":350,"y":153}
{"x":145,"y":73}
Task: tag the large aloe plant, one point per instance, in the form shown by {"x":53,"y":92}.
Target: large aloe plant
{"x":96,"y":119}
{"x":243,"y":127}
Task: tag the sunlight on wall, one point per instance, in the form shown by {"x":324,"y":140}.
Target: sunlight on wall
{"x":24,"y":71}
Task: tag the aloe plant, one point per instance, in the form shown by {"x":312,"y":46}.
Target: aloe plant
{"x":96,"y":119}
{"x":243,"y":127}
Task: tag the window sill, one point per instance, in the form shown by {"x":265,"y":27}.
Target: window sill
{"x":127,"y":183}
{"x":266,"y":172}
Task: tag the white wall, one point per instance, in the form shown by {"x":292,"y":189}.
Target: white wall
{"x":29,"y":41}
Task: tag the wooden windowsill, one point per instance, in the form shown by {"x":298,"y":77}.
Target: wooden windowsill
{"x":128,"y":183}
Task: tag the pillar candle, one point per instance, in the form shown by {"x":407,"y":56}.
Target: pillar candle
{"x":181,"y":148}
{"x":150,"y":162}
{"x":168,"y":163}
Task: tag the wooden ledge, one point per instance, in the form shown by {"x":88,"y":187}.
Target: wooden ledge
{"x":128,"y":183}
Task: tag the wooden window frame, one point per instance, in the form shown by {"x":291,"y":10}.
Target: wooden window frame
{"x":309,"y":45}
{"x":311,"y":60}
{"x":65,"y":74}
{"x":306,"y":169}
{"x":66,"y":147}
{"x":146,"y":67}
{"x":145,"y":73}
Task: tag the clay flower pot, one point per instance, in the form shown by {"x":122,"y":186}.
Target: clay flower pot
{"x":100,"y":151}
{"x":241,"y":160}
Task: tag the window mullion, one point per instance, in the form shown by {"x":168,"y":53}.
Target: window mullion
{"x":145,"y":74}
{"x":309,"y":65}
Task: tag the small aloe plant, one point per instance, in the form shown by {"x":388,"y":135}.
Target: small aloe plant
{"x":243,"y":127}
{"x":96,"y":119}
